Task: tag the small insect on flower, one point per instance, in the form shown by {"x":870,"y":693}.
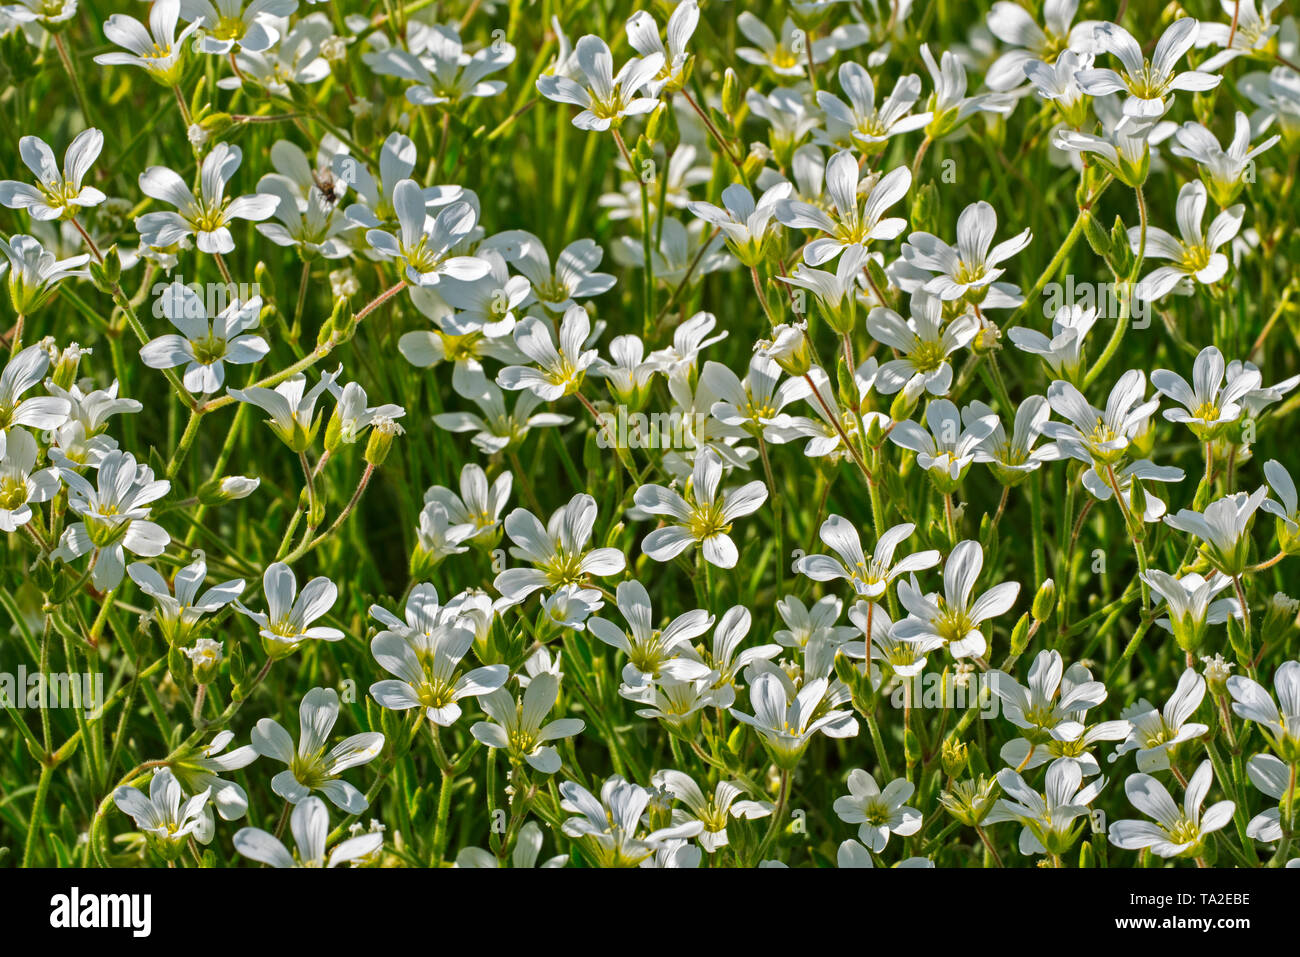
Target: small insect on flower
{"x":58,"y":194}
{"x":314,"y":766}
{"x":310,"y":825}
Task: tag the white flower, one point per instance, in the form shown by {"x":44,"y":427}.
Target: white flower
{"x":497,"y":428}
{"x":426,"y":669}
{"x":1055,"y":701}
{"x":311,"y":767}
{"x":1048,"y":818}
{"x":1146,"y":81}
{"x":880,"y":813}
{"x":205,"y":344}
{"x":804,"y":625}
{"x":969,"y":268}
{"x":904,"y":658}
{"x":925,"y":342}
{"x":712,"y":811}
{"x":1013,"y":25}
{"x":1222,"y":171}
{"x":517,"y":726}
{"x":1058,"y":81}
{"x":1254,"y":31}
{"x":528,"y":846}
{"x":574,"y":276}
{"x":747,"y":225}
{"x":1176,"y":832}
{"x":606,"y":99}
{"x":651,"y":651}
{"x":853,"y":223}
{"x":859,"y":122}
{"x":787,"y":726}
{"x":177,"y":614}
{"x":1191,"y":604}
{"x":643,"y":35}
{"x":1124,"y":147}
{"x":165,"y":822}
{"x":229,"y":24}
{"x":1280,"y":726}
{"x":1195,"y":253}
{"x":1287,"y":509}
{"x":870,"y":577}
{"x":724,"y":660}
{"x":559,"y":551}
{"x":58,"y":194}
{"x":1011,"y":459}
{"x":1277,"y":94}
{"x":157,"y":50}
{"x":114,"y":517}
{"x":287,"y":621}
{"x":703,"y":516}
{"x":424,"y":244}
{"x":949,"y":104}
{"x":352,"y":416}
{"x":21,"y":484}
{"x":310,"y":825}
{"x":756,"y":403}
{"x":199,"y":770}
{"x":34,"y":272}
{"x":1155,"y":733}
{"x":209,"y":216}
{"x":562,"y":364}
{"x":943,"y":448}
{"x":478,"y":504}
{"x":1209,"y":407}
{"x":291,"y":407}
{"x":609,"y":830}
{"x":1224,"y":529}
{"x":1092,"y":435}
{"x":443,"y":73}
{"x":1273,"y":778}
{"x":954,"y":616}
{"x":22,"y":372}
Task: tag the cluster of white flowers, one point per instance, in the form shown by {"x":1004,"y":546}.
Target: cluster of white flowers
{"x":788,"y":269}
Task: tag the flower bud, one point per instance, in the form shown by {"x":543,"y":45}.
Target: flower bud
{"x":205,"y":659}
{"x":228,"y":488}
{"x":1044,"y":601}
{"x":789,"y":349}
{"x":955,"y":755}
{"x":381,"y":438}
